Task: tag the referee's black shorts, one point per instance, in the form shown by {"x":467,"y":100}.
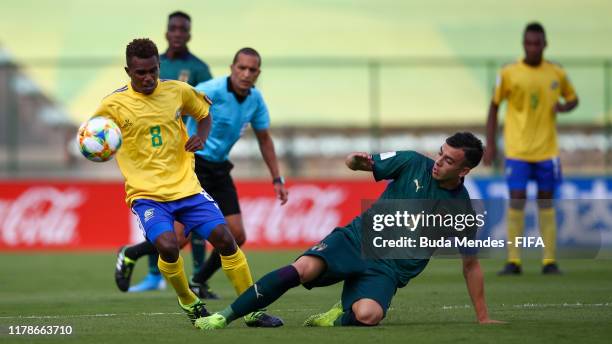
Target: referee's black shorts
{"x":215,"y":178}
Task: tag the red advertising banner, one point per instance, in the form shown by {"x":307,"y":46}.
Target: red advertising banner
{"x":313,"y":210}
{"x":66,"y":215}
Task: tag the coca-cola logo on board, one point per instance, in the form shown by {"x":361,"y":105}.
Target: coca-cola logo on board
{"x":40,"y":216}
{"x":311,"y":213}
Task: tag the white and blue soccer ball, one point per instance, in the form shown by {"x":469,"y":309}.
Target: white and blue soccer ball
{"x":99,"y":139}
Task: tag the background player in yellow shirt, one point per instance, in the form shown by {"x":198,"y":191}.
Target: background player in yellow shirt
{"x":157,"y":160}
{"x":532,"y":86}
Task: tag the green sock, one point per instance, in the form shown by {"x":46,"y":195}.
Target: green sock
{"x":265,"y":291}
{"x":198,"y":252}
{"x":153,"y":269}
{"x":228,"y":314}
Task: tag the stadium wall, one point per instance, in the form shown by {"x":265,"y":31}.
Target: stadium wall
{"x":90,"y":215}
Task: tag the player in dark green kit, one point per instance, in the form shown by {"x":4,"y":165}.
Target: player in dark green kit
{"x":369,"y":284}
{"x":178,"y":63}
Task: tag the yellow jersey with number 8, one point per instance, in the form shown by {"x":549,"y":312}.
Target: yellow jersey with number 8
{"x":530,"y":131}
{"x":153,"y":159}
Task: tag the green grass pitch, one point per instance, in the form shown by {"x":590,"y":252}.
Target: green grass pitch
{"x":77,"y":289}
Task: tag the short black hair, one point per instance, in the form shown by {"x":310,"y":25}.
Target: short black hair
{"x":179,"y":14}
{"x":471,"y":146}
{"x":247,"y":51}
{"x":142,"y":48}
{"x":535,"y":27}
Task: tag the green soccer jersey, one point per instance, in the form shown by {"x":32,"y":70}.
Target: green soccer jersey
{"x":410,"y":177}
{"x":186,"y":68}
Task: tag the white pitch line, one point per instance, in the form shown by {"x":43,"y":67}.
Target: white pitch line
{"x":536,"y":305}
{"x":108,"y":315}
{"x":444,"y":307}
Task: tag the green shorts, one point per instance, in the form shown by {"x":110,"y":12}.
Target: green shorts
{"x":344,"y":262}
{"x":371,"y":284}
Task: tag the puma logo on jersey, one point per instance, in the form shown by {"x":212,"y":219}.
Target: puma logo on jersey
{"x":416,"y":182}
{"x":257,"y":294}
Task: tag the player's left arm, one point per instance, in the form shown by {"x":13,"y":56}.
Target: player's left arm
{"x":568,"y":93}
{"x":266,"y":146}
{"x":475,"y":286}
{"x":567,"y":106}
{"x":197,"y":105}
{"x":197,"y":141}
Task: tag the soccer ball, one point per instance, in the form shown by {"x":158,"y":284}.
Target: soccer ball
{"x":99,"y":139}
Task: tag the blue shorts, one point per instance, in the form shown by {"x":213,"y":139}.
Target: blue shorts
{"x":199,"y":213}
{"x":547,"y":174}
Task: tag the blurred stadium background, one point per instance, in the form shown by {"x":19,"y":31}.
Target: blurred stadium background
{"x":338,"y":76}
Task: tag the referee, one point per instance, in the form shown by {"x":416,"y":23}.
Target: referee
{"x":236,"y":104}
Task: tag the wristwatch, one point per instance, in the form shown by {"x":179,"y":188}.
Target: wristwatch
{"x":278,"y":180}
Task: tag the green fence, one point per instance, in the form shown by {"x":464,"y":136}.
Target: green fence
{"x":334,"y":93}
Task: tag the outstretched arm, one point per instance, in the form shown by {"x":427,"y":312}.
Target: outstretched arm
{"x":475,"y":285}
{"x":359,"y":161}
{"x":266,"y":146}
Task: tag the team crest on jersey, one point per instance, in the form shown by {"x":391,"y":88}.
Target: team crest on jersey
{"x":177,"y":115}
{"x":554,"y":85}
{"x":319,"y":247}
{"x":148,"y":214}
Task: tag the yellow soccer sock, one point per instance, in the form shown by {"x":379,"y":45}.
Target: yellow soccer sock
{"x":175,"y":275}
{"x":236,"y":268}
{"x":516,"y":227}
{"x":548,"y":230}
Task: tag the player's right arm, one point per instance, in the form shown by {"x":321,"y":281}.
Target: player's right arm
{"x":107,"y":109}
{"x":359,"y":161}
{"x":491,"y":148}
{"x":499,"y":93}
{"x":387,"y":165}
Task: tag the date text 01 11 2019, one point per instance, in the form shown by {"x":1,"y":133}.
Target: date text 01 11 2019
{"x":423,"y":242}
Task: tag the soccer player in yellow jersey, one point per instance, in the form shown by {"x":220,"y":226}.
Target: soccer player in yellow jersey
{"x":157,"y":160}
{"x":532,"y":86}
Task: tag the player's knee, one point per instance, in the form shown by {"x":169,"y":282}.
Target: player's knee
{"x":240,"y":238}
{"x":168,"y":249}
{"x":368,"y":318}
{"x":234,"y":222}
{"x":368,"y":313}
{"x":183,"y":241}
{"x":223,"y":240}
{"x":308,"y":268}
{"x":518,"y":204}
